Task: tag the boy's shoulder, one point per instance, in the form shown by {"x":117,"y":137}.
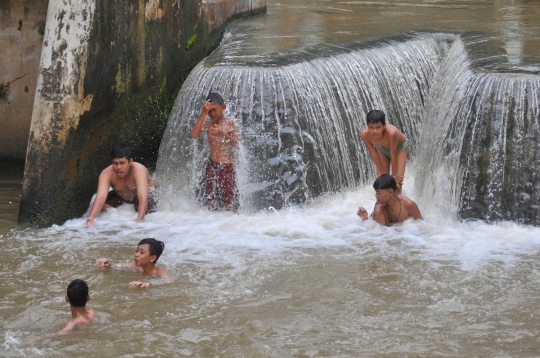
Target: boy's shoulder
{"x":392,"y":129}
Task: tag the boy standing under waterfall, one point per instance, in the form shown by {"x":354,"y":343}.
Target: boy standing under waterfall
{"x":223,"y":139}
{"x":387,"y":146}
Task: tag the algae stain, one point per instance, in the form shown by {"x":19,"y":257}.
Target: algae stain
{"x":190,"y":41}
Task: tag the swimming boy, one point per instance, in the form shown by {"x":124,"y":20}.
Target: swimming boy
{"x":390,"y":207}
{"x":130,"y":182}
{"x":223,"y":138}
{"x":386,"y":145}
{"x":77,"y":296}
{"x":147,"y":253}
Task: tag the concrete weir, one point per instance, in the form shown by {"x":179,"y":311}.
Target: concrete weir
{"x":109,"y":73}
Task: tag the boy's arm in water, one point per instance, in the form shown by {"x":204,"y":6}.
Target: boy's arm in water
{"x":412,"y":208}
{"x":199,"y":125}
{"x":362,"y":213}
{"x":379,"y":214}
{"x":104,"y":183}
{"x":158,"y":272}
{"x":105,"y":262}
{"x":372,"y":152}
{"x":72,"y":323}
{"x":141,"y":181}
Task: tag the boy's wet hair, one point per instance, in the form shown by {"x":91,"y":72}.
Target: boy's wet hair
{"x":375,"y":116}
{"x":121,"y":151}
{"x":385,"y":181}
{"x":156,"y":247}
{"x":77,"y":292}
{"x":215,"y":98}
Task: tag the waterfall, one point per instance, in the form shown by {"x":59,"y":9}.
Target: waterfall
{"x":299,"y":119}
{"x":474,"y":126}
{"x":480,"y":148}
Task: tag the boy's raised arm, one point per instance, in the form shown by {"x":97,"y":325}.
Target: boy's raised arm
{"x":199,"y":125}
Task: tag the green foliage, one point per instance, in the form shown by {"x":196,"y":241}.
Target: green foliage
{"x":191,"y":41}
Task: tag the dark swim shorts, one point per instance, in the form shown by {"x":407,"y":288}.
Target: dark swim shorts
{"x":116,"y":200}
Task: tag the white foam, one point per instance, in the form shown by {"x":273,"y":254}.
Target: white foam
{"x":223,"y":238}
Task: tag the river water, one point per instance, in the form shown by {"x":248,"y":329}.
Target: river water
{"x":305,"y":281}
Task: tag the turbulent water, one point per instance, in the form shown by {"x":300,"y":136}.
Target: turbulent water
{"x":311,"y":279}
{"x":305,"y":281}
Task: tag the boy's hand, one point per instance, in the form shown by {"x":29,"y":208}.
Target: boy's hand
{"x":89,"y":221}
{"x":399,"y":182}
{"x":362,"y":213}
{"x":216,"y":132}
{"x":142,"y":284}
{"x":207,"y":106}
{"x":103,"y":262}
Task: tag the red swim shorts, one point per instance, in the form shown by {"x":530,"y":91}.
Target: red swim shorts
{"x":220,"y":177}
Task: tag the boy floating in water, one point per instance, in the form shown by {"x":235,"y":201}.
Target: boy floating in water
{"x":77,"y":296}
{"x":223,"y":138}
{"x":386,"y":145}
{"x":147,"y":253}
{"x":390,"y":207}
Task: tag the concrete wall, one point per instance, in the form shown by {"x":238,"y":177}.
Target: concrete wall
{"x":22,"y":24}
{"x":109,"y":73}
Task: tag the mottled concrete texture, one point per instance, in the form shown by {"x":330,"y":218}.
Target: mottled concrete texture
{"x":109,"y":73}
{"x":21,"y":23}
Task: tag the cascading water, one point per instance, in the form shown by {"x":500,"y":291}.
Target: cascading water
{"x":480,"y":147}
{"x":300,"y":121}
{"x":474,"y":131}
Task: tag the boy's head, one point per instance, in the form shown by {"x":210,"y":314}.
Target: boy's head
{"x":155,"y":247}
{"x":77,"y":293}
{"x":376,"y":116}
{"x":218,"y":106}
{"x":121,"y":151}
{"x":215,"y":98}
{"x":121,"y":160}
{"x":385,"y":181}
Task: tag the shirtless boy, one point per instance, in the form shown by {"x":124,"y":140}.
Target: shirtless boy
{"x":386,"y":145}
{"x":223,"y":138}
{"x":390,"y":207}
{"x":130,"y":182}
{"x":77,"y":296}
{"x":147,"y":253}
